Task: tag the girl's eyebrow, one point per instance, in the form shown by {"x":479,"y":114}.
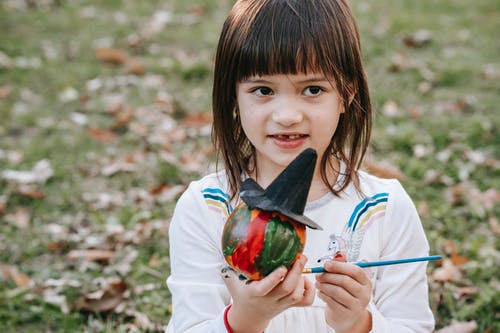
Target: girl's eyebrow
{"x":309,"y":80}
{"x":256,"y":80}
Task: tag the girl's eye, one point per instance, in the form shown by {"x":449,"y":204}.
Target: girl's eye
{"x":313,"y":91}
{"x":262,"y":91}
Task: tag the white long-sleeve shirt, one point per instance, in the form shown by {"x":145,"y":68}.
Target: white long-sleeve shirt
{"x":380,"y":225}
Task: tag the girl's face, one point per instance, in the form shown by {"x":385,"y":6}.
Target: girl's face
{"x":284,"y":114}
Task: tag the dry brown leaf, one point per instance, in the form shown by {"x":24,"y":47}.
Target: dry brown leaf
{"x":3,"y":204}
{"x":104,"y":300}
{"x":450,"y":106}
{"x":456,"y":259}
{"x":383,"y":169}
{"x":390,"y":109}
{"x":91,"y":255}
{"x":111,"y":56}
{"x":102,"y":135}
{"x":402,"y":62}
{"x":459,"y":327}
{"x":418,"y":39}
{"x":11,"y":273}
{"x":30,"y":191}
{"x":20,"y":218}
{"x":460,"y":292}
{"x":5,"y":91}
{"x":123,"y":118}
{"x":495,"y":226}
{"x":192,"y":161}
{"x":198,"y":120}
{"x":154,"y":261}
{"x":198,"y":10}
{"x":166,"y":193}
{"x":447,"y":272}
{"x":57,"y":246}
{"x":423,"y":209}
{"x":134,"y":67}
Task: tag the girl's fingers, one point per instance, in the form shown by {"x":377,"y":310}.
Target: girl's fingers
{"x":338,"y":294}
{"x":309,"y":293}
{"x":332,"y":304}
{"x":269,"y":283}
{"x":345,"y":282}
{"x":353,"y":271}
{"x":292,"y":279}
{"x":236,"y":284}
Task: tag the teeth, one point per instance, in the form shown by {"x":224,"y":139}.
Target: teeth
{"x":291,"y":137}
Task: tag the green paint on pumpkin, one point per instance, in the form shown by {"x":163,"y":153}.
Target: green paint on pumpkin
{"x":235,"y":229}
{"x":281,"y":246}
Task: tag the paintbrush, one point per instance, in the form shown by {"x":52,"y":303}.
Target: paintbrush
{"x":363,"y":264}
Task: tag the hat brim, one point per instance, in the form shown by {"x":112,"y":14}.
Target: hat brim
{"x":261,"y":202}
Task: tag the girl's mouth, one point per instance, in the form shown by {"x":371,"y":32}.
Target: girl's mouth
{"x":288,"y":137}
{"x":289,"y":141}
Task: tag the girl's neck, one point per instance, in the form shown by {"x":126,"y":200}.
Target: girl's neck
{"x":318,"y":187}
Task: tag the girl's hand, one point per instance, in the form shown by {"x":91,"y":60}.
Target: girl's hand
{"x":255,"y":303}
{"x":346,"y":290}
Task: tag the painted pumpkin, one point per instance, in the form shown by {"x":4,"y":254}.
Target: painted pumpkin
{"x":255,"y":242}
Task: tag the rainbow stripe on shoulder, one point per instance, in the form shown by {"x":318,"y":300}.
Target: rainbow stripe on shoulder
{"x":368,"y":211}
{"x":218,"y":201}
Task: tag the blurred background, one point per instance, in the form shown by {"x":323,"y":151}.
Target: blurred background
{"x":105,"y":118}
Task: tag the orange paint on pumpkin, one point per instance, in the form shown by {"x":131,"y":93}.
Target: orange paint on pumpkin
{"x":245,"y":254}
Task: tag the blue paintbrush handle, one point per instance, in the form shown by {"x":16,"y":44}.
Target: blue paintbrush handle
{"x":362,"y":264}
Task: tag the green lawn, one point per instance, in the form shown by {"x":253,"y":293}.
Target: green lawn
{"x":104,"y":106}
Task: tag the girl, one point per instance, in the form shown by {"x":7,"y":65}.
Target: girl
{"x":288,"y":76}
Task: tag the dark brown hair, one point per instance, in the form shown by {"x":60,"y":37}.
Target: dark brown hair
{"x":262,"y":37}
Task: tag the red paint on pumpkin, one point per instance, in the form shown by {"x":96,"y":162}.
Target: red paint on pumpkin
{"x":244,"y":255}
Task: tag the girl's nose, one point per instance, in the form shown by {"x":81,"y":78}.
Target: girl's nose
{"x":287,"y":113}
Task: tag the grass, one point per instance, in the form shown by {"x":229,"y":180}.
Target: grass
{"x":436,"y":120}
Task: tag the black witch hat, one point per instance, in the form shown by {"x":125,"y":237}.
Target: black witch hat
{"x":287,"y":194}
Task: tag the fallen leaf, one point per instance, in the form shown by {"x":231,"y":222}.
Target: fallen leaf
{"x":141,"y":320}
{"x":40,"y":173}
{"x":91,"y":255}
{"x":30,"y":191}
{"x":101,"y":135}
{"x":166,"y":193}
{"x":383,"y":169}
{"x":447,"y":272}
{"x":492,"y":220}
{"x":20,"y":218}
{"x":390,"y":109}
{"x":111,"y":55}
{"x":418,"y":39}
{"x":459,"y":327}
{"x":123,"y":118}
{"x":55,"y":298}
{"x":461,"y":292}
{"x":11,"y":273}
{"x":402,"y":62}
{"x":104,"y":300}
{"x":134,"y":67}
{"x":198,"y":120}
{"x":443,"y":107}
{"x":5,"y":91}
{"x":456,"y":259}
{"x":3,"y":204}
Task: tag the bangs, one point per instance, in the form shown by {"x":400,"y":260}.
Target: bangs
{"x":279,"y":41}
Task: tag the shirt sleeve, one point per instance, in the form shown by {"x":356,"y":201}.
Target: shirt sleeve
{"x":400,"y":297}
{"x":199,"y":295}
